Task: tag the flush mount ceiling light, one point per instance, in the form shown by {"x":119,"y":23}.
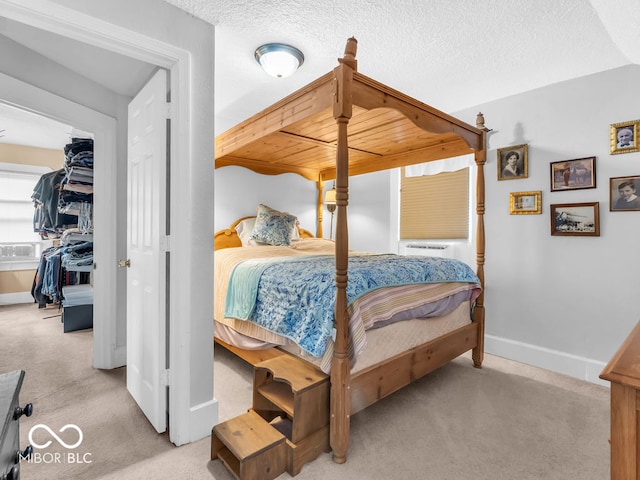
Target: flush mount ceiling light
{"x":278,"y":59}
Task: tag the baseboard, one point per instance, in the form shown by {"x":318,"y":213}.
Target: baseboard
{"x":120,"y":356}
{"x":554,"y":360}
{"x":203,"y":417}
{"x":13,"y":298}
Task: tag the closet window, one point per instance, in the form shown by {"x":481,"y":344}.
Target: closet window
{"x":434,"y":206}
{"x":18,"y":241}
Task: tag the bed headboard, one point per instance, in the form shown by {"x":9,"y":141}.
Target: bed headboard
{"x":228,"y":237}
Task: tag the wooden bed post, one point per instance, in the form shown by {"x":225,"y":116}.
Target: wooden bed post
{"x":478,"y":312}
{"x":340,"y":364}
{"x":319,"y":208}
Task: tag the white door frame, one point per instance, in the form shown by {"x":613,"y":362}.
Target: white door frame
{"x":186,"y":422}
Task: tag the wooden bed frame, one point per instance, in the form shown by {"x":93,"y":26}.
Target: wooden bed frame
{"x":343,"y":124}
{"x":229,"y":236}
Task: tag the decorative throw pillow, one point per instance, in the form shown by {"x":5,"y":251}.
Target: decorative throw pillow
{"x":244,"y":229}
{"x":273,"y":227}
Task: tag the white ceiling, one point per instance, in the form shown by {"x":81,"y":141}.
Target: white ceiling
{"x":449,"y":54}
{"x":94,"y":64}
{"x":21,"y":127}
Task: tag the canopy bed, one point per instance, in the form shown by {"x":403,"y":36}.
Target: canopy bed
{"x":344,"y":124}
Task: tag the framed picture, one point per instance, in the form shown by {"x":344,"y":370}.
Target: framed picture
{"x":624,"y":137}
{"x":525,"y":203}
{"x":575,"y":219}
{"x":573,"y":174}
{"x":513,"y":162}
{"x":623,"y":194}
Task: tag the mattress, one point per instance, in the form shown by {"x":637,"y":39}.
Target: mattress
{"x":385,"y":342}
{"x":372,"y":312}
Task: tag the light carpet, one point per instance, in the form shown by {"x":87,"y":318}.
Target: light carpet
{"x":505,"y":421}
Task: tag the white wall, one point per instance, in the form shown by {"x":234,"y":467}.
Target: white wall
{"x":30,"y":67}
{"x":191,"y":345}
{"x":562,"y":303}
{"x":368,"y":215}
{"x":158,"y":31}
{"x":238,"y":191}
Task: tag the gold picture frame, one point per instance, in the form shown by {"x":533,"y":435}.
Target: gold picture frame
{"x":624,"y":137}
{"x":519,"y":167}
{"x":525,"y":203}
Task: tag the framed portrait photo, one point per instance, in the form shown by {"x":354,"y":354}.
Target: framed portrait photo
{"x":624,"y":137}
{"x":513,"y":162}
{"x":624,"y":194}
{"x":575,"y":219}
{"x":573,"y":174}
{"x":525,"y":203}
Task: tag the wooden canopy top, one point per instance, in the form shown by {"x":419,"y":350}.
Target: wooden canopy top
{"x":387,"y":129}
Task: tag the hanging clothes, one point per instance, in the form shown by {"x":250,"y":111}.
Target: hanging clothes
{"x":63,"y":202}
{"x":47,"y":219}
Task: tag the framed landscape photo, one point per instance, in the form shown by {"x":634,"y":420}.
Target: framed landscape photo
{"x":513,"y":162}
{"x":575,"y":174}
{"x":624,"y":137}
{"x":575,"y":219}
{"x":624,"y":194}
{"x":525,"y":203}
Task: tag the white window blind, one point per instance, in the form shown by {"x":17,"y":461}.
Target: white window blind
{"x":18,"y":241}
{"x":16,"y":207}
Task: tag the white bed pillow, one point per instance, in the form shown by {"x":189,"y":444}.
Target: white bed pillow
{"x":244,"y":229}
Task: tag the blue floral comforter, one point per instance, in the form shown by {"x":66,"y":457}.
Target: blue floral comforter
{"x":295,"y":297}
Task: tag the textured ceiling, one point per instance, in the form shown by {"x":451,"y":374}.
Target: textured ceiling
{"x":449,"y":54}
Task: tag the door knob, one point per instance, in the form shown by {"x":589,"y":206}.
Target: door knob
{"x":19,"y":411}
{"x":124,"y":263}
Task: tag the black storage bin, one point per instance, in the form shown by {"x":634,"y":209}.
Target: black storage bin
{"x":78,"y":317}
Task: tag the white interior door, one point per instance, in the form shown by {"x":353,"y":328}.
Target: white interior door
{"x":147,"y":275}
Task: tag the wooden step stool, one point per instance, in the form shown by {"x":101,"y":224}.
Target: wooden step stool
{"x":250,"y":448}
{"x":287,"y":427}
{"x":294,"y":396}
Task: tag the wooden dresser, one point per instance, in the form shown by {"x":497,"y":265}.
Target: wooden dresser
{"x":623,"y":371}
{"x":10,"y":413}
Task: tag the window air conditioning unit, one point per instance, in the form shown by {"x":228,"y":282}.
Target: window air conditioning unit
{"x":427,"y":249}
